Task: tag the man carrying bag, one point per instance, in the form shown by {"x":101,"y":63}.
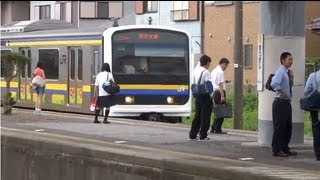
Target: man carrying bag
{"x":312,"y":104}
{"x":219,"y":95}
{"x":203,"y":101}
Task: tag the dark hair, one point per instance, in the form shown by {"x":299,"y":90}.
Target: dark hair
{"x":224,"y":61}
{"x":105,"y":67}
{"x":40,"y":65}
{"x":204,"y":60}
{"x":284,"y":55}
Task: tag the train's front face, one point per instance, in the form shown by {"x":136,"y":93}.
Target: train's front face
{"x":151,"y":66}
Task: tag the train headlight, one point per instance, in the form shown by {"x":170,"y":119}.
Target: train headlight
{"x":129,"y":99}
{"x":170,"y":100}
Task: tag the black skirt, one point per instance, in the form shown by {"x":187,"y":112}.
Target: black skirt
{"x":106,"y":101}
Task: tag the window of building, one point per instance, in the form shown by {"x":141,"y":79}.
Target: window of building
{"x":221,"y":3}
{"x":185,"y":10}
{"x":50,"y":59}
{"x":150,"y":6}
{"x":100,"y":9}
{"x":180,"y":10}
{"x":247,"y":56}
{"x":63,"y":13}
{"x":44,"y":12}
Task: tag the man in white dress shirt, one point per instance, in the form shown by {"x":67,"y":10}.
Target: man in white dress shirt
{"x":203,"y":103}
{"x":219,"y":93}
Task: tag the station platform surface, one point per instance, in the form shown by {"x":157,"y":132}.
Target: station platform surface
{"x":235,"y":155}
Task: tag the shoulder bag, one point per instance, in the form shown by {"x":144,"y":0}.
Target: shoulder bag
{"x":311,"y":101}
{"x":201,"y":89}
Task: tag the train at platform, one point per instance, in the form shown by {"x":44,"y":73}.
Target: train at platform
{"x":151,"y":64}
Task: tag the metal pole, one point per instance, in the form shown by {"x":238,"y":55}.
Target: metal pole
{"x":238,"y":67}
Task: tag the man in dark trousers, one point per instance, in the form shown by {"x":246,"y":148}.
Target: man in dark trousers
{"x":282,"y":83}
{"x":203,"y":103}
{"x":219,"y":94}
{"x":313,"y":83}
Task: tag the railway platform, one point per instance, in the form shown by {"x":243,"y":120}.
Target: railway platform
{"x":134,"y":149}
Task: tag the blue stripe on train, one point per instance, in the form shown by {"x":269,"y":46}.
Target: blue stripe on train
{"x":152,"y":92}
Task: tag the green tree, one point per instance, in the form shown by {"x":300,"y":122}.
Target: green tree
{"x":12,"y":63}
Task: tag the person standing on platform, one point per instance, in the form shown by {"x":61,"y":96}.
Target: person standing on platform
{"x":312,"y":83}
{"x":203,"y":103}
{"x":282,"y":83}
{"x":105,"y":100}
{"x":38,"y":85}
{"x":219,"y":92}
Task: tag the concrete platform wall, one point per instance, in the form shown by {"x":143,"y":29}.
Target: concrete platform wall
{"x":36,"y":159}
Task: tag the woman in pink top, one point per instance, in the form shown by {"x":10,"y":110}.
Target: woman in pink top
{"x":39,"y":88}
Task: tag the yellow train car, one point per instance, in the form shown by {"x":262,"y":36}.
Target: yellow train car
{"x":72,"y":58}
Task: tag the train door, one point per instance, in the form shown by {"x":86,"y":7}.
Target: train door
{"x":75,"y":55}
{"x":25,"y":78}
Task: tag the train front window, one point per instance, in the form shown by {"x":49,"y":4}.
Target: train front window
{"x":150,"y":56}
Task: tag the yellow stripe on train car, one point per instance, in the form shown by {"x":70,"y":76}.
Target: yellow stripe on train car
{"x":53,"y":86}
{"x":62,"y":42}
{"x":86,"y":88}
{"x":13,"y":84}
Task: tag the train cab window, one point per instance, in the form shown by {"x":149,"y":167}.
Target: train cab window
{"x":50,"y":59}
{"x":79,"y":64}
{"x":2,"y":64}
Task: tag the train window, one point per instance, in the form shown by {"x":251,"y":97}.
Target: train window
{"x":29,"y":64}
{"x":2,"y":63}
{"x":79,"y":64}
{"x":23,"y":70}
{"x":50,"y":59}
{"x":96,"y":62}
{"x":73,"y":63}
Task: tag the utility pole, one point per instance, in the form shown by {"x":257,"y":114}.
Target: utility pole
{"x":238,"y":67}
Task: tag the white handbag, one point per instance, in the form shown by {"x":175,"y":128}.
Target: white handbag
{"x":38,"y":80}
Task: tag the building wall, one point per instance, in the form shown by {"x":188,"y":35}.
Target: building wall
{"x":312,"y":40}
{"x":20,"y":10}
{"x":219,"y":36}
{"x":163,"y":17}
{"x":5,"y":12}
{"x":14,"y":11}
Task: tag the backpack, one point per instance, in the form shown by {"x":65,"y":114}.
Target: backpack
{"x":110,"y":87}
{"x":268,"y":84}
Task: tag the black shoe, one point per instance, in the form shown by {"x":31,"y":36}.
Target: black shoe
{"x":212,"y":131}
{"x":220,"y":132}
{"x":291,"y":153}
{"x":106,"y":122}
{"x":318,"y":157}
{"x":280,"y":154}
{"x":204,"y":139}
{"x":96,"y":121}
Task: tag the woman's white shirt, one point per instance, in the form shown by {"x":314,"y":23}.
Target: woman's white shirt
{"x":100,"y":79}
